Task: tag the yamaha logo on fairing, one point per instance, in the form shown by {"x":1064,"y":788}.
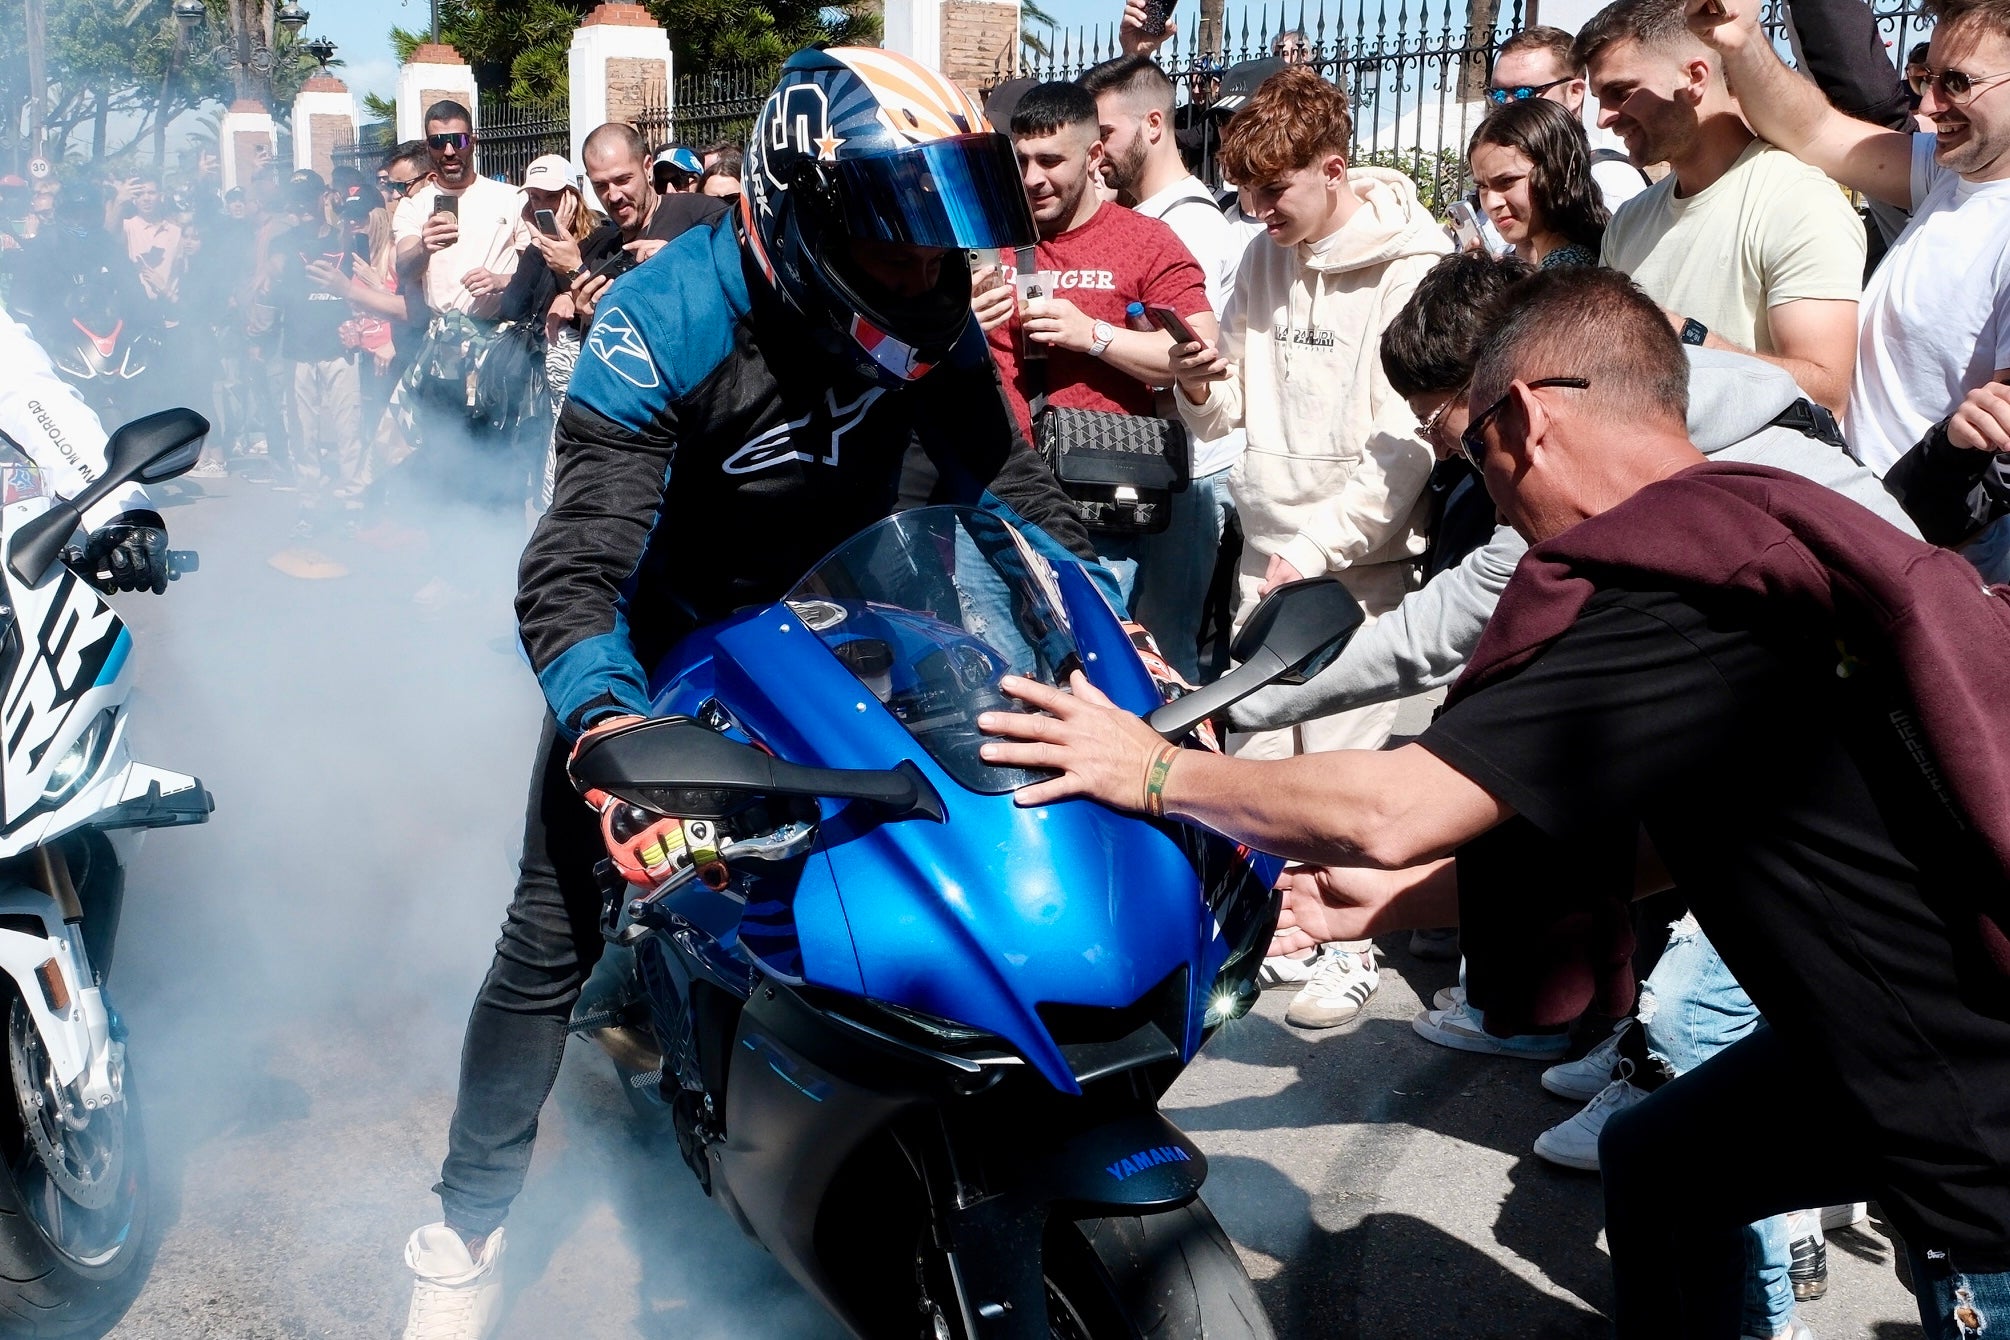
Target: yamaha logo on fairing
{"x":1147,"y":1158}
{"x":71,"y":648}
{"x":616,"y":342}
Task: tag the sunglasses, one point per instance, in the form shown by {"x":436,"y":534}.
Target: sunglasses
{"x":1501,"y":97}
{"x":1473,"y":441}
{"x":456,"y":139}
{"x":1957,"y":86}
{"x":403,"y":187}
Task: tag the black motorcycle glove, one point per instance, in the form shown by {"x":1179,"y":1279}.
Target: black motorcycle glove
{"x":128,"y":553}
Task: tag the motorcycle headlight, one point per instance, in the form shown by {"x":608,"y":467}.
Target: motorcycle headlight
{"x":1250,"y":922}
{"x":74,"y":768}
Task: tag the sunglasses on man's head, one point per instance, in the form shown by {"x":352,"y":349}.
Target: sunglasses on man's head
{"x":1501,"y":97}
{"x":1957,"y":86}
{"x":454,"y":139}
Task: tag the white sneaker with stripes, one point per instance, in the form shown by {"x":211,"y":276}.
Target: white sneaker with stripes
{"x":1340,"y":988}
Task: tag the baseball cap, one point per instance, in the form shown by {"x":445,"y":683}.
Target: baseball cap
{"x":682,"y":158}
{"x":549,"y":172}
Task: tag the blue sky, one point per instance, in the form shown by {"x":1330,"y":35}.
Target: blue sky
{"x":362,"y":28}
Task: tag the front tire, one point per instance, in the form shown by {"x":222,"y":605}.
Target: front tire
{"x":1171,"y":1276}
{"x":73,"y":1200}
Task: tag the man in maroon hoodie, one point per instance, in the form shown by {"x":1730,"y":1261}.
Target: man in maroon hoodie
{"x":1791,"y":701}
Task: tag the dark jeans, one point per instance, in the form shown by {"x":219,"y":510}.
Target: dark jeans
{"x":516,"y":1034}
{"x":1728,"y":1144}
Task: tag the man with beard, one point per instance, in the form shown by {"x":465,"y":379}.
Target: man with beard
{"x":1935,"y":322}
{"x":1141,"y":159}
{"x":1071,"y":347}
{"x":1785,"y":250}
{"x":457,"y":239}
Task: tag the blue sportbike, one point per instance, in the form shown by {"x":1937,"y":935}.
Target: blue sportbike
{"x":910,"y":1034}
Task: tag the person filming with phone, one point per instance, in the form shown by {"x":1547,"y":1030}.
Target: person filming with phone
{"x":457,"y":239}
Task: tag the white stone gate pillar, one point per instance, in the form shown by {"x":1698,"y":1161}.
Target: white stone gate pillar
{"x":434,"y":74}
{"x":324,"y":120}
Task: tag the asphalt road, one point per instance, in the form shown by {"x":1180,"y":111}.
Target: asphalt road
{"x":296,"y":974}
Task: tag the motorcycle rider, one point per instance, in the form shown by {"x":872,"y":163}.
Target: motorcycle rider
{"x":43,"y":417}
{"x":784,"y":358}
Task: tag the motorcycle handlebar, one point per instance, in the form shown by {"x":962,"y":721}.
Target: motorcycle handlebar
{"x":180,"y":562}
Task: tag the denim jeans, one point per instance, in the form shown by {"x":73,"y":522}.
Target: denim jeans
{"x":1165,"y":577}
{"x":1691,"y":1008}
{"x":1953,"y":1305}
{"x":516,"y":1033}
{"x":1990,"y":551}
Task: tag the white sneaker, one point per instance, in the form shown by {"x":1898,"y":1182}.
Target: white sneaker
{"x":1843,"y":1216}
{"x":1574,"y":1143}
{"x":1288,"y":969}
{"x":1460,"y":1028}
{"x":1584,"y":1079}
{"x":1449,"y":998}
{"x":1796,"y":1330}
{"x":1340,"y":988}
{"x":454,"y":1296}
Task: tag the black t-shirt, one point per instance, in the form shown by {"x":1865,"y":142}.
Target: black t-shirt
{"x":534,"y":286}
{"x":310,"y":317}
{"x":1788,"y":805}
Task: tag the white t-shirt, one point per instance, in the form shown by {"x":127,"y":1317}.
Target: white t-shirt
{"x":1935,"y":321}
{"x":1617,"y":182}
{"x":1189,"y":209}
{"x":491,"y":218}
{"x":1770,"y":231}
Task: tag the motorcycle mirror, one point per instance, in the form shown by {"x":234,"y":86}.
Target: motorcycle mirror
{"x":1294,"y":633}
{"x":149,"y":449}
{"x":674,"y":765}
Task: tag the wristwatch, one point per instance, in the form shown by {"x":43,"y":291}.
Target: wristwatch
{"x":1694,"y":331}
{"x":1104,"y":333}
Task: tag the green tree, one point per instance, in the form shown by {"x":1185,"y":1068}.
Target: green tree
{"x":521,"y":45}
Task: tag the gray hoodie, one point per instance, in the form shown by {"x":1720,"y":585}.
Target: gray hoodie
{"x":1424,"y":642}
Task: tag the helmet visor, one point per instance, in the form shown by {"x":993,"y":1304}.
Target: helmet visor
{"x":959,"y":192}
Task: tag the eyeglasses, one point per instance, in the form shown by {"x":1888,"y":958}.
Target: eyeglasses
{"x":1501,"y":97}
{"x":455,"y":139}
{"x":1957,"y":86}
{"x":1473,"y":441}
{"x":1427,"y":428}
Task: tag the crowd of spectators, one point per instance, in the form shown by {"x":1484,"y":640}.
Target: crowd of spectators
{"x":353,"y":339}
{"x":1325,"y":379}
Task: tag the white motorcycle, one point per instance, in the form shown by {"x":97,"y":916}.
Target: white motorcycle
{"x":74,"y":805}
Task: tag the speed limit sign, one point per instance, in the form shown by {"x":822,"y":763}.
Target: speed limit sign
{"x":39,"y":168}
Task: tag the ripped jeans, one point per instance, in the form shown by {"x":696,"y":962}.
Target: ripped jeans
{"x":1691,"y":1008}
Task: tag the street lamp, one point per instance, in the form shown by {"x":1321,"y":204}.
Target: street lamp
{"x":322,"y":50}
{"x":240,"y":51}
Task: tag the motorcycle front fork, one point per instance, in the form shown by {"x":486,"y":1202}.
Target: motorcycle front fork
{"x":70,"y":988}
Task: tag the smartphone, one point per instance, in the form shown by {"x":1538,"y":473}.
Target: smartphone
{"x":1156,"y":14}
{"x":620,"y":263}
{"x":1472,"y":227}
{"x":447,"y":204}
{"x":547,"y":222}
{"x":1169,"y":321}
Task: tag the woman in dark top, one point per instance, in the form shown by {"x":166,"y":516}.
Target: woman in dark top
{"x":1532,"y":165}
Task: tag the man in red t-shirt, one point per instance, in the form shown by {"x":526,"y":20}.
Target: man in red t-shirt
{"x":1104,"y":257}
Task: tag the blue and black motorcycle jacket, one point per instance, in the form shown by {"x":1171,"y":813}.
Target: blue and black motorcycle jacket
{"x":709,"y":452}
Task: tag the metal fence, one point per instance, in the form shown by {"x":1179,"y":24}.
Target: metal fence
{"x":367,"y":150}
{"x":511,"y":136}
{"x":710,"y":106}
{"x":1415,"y":76}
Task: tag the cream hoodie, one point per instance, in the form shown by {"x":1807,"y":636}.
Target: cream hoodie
{"x":1334,"y":473}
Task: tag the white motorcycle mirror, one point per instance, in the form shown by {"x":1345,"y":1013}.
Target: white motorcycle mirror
{"x":151,"y":449}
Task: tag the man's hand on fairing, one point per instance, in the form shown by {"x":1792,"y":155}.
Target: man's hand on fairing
{"x":1100,"y":750}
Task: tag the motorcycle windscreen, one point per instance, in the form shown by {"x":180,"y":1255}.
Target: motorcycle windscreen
{"x":929,"y":609}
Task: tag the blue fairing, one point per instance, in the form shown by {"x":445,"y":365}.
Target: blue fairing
{"x":983,"y":917}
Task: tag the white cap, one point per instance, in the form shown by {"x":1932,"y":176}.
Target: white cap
{"x":548,"y":173}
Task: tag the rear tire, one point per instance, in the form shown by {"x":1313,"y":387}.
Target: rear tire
{"x":65,"y":1269}
{"x":1172,"y":1276}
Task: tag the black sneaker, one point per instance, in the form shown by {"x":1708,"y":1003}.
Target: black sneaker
{"x":1809,"y":1268}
